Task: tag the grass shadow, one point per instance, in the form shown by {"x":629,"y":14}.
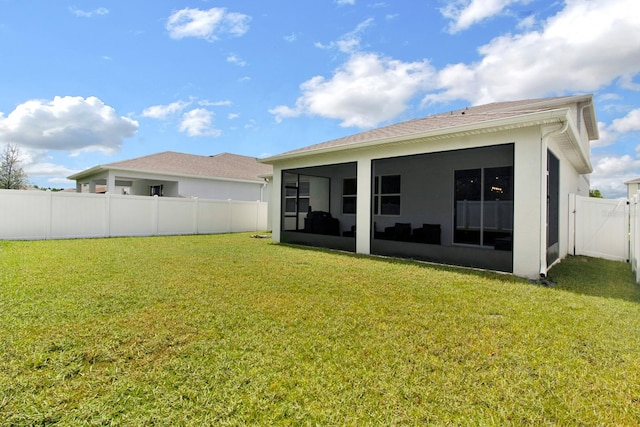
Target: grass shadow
{"x":595,"y":277}
{"x":487,"y":274}
{"x":576,"y":274}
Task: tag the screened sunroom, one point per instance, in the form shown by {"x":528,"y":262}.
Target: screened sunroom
{"x":453,"y":207}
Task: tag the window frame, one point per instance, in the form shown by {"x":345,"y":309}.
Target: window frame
{"x":379,"y":195}
{"x":350,"y":196}
{"x":483,"y":184}
{"x":299,"y":193}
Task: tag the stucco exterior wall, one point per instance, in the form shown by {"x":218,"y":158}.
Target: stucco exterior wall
{"x":528,"y":210}
{"x":223,"y":190}
{"x":178,"y":186}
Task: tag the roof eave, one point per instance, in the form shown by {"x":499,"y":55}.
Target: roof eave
{"x":87,"y":172}
{"x":583,"y":164}
{"x":103,"y":168}
{"x":519,"y":121}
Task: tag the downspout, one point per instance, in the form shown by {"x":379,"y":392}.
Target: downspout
{"x":544,"y":195}
{"x":587,"y":105}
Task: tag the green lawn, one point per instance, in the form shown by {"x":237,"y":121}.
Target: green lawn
{"x":229,"y":330}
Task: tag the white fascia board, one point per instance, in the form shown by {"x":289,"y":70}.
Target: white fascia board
{"x":496,"y":125}
{"x":574,"y":137}
{"x":181,"y":175}
{"x":87,"y":172}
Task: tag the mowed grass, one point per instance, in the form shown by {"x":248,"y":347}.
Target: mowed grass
{"x":230,"y":330}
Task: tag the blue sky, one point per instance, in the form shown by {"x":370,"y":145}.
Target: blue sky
{"x":89,"y":82}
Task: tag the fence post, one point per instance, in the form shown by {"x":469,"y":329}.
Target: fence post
{"x":196,"y":216}
{"x":107,"y":215}
{"x":49,"y":214}
{"x":156,"y":219}
{"x":572,"y":224}
{"x":257,"y":215}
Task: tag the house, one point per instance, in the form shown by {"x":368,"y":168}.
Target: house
{"x":633,"y":187}
{"x":170,"y":174}
{"x":484,"y":187}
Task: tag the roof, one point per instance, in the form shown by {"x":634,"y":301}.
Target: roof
{"x":633,"y":181}
{"x":225,"y":165}
{"x":450,"y":121}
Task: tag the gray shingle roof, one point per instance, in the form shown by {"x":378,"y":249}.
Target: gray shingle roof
{"x":225,"y":165}
{"x":451,"y":119}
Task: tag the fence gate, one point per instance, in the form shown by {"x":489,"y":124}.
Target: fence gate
{"x":602,"y":228}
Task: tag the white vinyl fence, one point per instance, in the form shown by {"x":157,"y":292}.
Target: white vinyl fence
{"x":37,"y":215}
{"x":601,"y":227}
{"x":634,"y":234}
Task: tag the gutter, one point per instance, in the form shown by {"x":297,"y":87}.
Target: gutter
{"x":95,"y":169}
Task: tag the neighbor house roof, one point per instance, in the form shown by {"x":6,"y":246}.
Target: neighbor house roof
{"x":450,"y":122}
{"x":225,"y":165}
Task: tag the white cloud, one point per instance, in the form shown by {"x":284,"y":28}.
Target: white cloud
{"x":207,"y":103}
{"x":282,"y":112}
{"x":607,"y":137}
{"x":350,"y":42}
{"x":66,"y":123}
{"x":206,"y":24}
{"x":609,"y":134}
{"x":89,"y":14}
{"x":38,"y":165}
{"x":47,"y":169}
{"x":232,"y":116}
{"x":198,"y":122}
{"x":465,"y":13}
{"x":628,"y":123}
{"x":570,"y":52}
{"x":365,"y":91}
{"x":343,"y":2}
{"x":527,"y":23}
{"x":611,"y":172}
{"x":234,"y":59}
{"x":163,"y":111}
{"x":584,"y":47}
{"x":626,"y":81}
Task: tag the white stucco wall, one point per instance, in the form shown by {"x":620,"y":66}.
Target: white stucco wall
{"x":527,"y":189}
{"x":179,"y":186}
{"x":223,"y":190}
{"x":530,"y":180}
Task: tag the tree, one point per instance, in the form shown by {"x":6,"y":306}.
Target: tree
{"x":595,"y":193}
{"x":12,"y":176}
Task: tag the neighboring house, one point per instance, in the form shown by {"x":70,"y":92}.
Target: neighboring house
{"x":633,"y":187}
{"x":223,"y":176}
{"x":485,"y":187}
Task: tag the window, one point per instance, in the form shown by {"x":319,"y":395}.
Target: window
{"x":155,"y":190}
{"x":386,"y":195}
{"x":296,"y":196}
{"x":484,"y":206}
{"x":349,"y":195}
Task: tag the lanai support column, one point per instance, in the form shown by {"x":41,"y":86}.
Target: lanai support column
{"x":363,"y":207}
{"x":111,"y":183}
